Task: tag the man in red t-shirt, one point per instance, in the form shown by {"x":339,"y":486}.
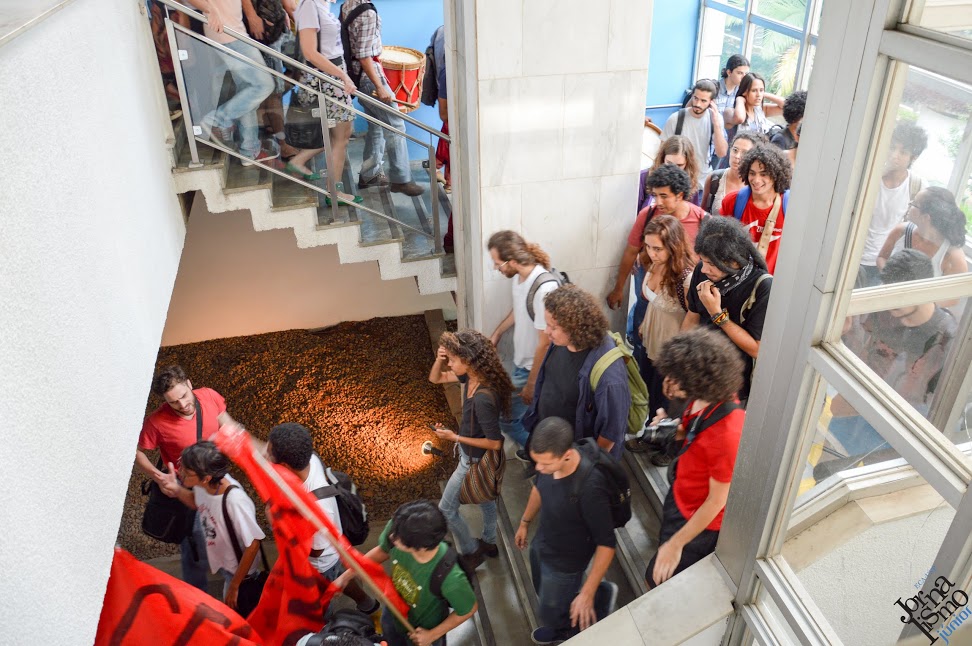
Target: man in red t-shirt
{"x":703,"y":367}
{"x":171,"y":429}
{"x":767,"y":172}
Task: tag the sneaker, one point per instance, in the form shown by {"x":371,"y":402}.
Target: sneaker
{"x":548,"y":635}
{"x":523,"y":456}
{"x":377,"y":180}
{"x":469,"y":562}
{"x":661,"y":460}
{"x":219,"y":135}
{"x":638,"y":445}
{"x":487,"y":549}
{"x":408,"y":188}
{"x":262,"y":156}
{"x":612,"y":600}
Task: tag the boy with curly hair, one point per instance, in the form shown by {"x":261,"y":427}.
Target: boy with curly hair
{"x":578,"y":332}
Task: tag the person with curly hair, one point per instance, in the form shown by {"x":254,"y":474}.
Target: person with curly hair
{"x":470,"y":358}
{"x":767,"y":172}
{"x":729,"y":289}
{"x":899,"y":187}
{"x":578,"y":331}
{"x":702,"y":367}
{"x":669,"y":266}
{"x":720,"y":183}
{"x":788,"y":138}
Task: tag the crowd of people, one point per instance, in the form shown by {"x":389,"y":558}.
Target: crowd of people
{"x":703,"y":249}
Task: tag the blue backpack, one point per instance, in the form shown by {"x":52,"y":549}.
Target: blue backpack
{"x":742,"y":199}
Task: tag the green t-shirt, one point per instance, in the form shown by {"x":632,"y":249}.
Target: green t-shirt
{"x":411,"y":579}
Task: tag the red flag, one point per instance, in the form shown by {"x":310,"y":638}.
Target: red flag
{"x":295,"y":593}
{"x":144,"y":605}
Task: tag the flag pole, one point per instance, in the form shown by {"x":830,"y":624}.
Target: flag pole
{"x":309,"y":515}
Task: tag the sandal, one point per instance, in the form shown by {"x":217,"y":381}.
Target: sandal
{"x":298,"y":172}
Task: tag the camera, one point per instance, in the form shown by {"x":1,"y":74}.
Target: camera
{"x":662,"y":432}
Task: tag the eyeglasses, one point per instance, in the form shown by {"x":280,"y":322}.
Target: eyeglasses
{"x":500,"y":267}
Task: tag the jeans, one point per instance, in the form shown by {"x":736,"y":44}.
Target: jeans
{"x":556,"y":590}
{"x":518,"y":408}
{"x":855,"y":435}
{"x":449,"y":505}
{"x":195,"y":572}
{"x":253,"y":85}
{"x":395,"y":635}
{"x":692,"y":552}
{"x":376,"y":143}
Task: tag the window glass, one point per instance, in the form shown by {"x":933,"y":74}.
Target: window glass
{"x":776,"y":57}
{"x":789,"y":12}
{"x":953,"y":17}
{"x":929,"y":149}
{"x":721,"y":38}
{"x":872,"y":525}
{"x":811,"y":52}
{"x":815,"y":21}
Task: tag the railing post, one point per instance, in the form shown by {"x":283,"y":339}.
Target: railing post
{"x":434,"y":194}
{"x":177,"y":59}
{"x":328,"y":158}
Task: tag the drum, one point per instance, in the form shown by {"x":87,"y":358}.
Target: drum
{"x":405,"y":70}
{"x":650,"y":141}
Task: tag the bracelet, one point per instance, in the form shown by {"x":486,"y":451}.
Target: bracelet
{"x":524,"y":521}
{"x":720,"y":318}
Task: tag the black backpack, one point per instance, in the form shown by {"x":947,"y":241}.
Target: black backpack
{"x":441,"y":571}
{"x":354,"y":71}
{"x":274,"y":19}
{"x":594,"y":457}
{"x":430,"y":84}
{"x":354,"y":516}
{"x":347,"y":622}
{"x":552,"y":276}
{"x":680,"y":123}
{"x":687,"y":95}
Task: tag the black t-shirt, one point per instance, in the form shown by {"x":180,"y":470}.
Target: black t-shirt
{"x":559,"y":394}
{"x":570,"y":532}
{"x":784,"y":140}
{"x":480,"y":418}
{"x":751,"y":319}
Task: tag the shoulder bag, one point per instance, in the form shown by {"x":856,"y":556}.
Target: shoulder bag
{"x":167,"y":519}
{"x":485,"y":477}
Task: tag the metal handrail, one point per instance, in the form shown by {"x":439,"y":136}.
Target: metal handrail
{"x":189,"y":11}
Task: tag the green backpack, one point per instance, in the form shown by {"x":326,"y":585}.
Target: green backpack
{"x":638,"y":412}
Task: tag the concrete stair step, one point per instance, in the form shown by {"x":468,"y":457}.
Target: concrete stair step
{"x":244,"y":178}
{"x":286,"y":195}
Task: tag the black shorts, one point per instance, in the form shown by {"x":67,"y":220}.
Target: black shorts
{"x":696,"y":549}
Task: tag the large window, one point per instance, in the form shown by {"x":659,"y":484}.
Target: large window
{"x":777,"y":36}
{"x":857,"y":451}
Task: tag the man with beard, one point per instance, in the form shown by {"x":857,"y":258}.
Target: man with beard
{"x":701,"y":123}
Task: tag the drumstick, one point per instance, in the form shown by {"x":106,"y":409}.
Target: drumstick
{"x":399,"y":101}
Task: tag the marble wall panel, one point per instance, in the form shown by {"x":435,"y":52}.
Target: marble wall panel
{"x":629,"y":30}
{"x":499,"y":41}
{"x":616,"y":214}
{"x":501,"y":209}
{"x":561,"y":217}
{"x":564,"y":37}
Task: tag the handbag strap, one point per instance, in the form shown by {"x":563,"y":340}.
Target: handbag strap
{"x":232,"y":533}
{"x":767,"y":235}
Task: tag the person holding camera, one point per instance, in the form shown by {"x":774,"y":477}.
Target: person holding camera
{"x":470,"y":358}
{"x":703,"y":367}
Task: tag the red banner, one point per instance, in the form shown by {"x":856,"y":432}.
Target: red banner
{"x":144,"y":605}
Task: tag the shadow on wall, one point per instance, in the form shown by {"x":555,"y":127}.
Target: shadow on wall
{"x":234,"y":281}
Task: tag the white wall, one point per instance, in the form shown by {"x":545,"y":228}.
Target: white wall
{"x":552,"y":98}
{"x":234,"y":281}
{"x":90,"y":236}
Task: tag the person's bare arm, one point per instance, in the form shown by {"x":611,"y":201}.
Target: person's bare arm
{"x":371,"y":71}
{"x":246,"y":561}
{"x":423,"y":637}
{"x":670,"y":552}
{"x":308,"y":46}
{"x":743,"y":339}
{"x":737,"y":114}
{"x":145,"y":465}
{"x":718,"y":133}
{"x":170,"y":486}
{"x":212,"y":16}
{"x":504,"y":325}
{"x":690,"y":321}
{"x":529,"y":514}
{"x":888,"y":245}
{"x":440,"y":373}
{"x":444,"y":110}
{"x":582,"y":613}
{"x":624,"y":271}
{"x":775,"y":106}
{"x":253,"y":20}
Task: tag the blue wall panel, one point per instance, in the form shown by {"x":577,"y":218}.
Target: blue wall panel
{"x":674,"y":29}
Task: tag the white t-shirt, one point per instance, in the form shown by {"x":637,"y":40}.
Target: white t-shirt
{"x":242,"y":514}
{"x":889,"y":211}
{"x":524,"y":330}
{"x":316,"y":15}
{"x":315,"y":480}
{"x":698,"y":130}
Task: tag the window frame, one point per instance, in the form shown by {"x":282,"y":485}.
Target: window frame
{"x":848,"y":125}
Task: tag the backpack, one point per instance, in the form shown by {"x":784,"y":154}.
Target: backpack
{"x":687,"y":95}
{"x":638,"y":412}
{"x":347,"y":622}
{"x":441,"y":571}
{"x":354,"y":516}
{"x":430,"y":87}
{"x":702,"y":422}
{"x":775,"y":130}
{"x":594,"y":457}
{"x":354,"y":72}
{"x":274,"y":19}
{"x":552,"y":276}
{"x":715,"y":178}
{"x":742,"y":199}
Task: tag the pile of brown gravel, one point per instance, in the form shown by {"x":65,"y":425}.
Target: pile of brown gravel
{"x":360,"y":387}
